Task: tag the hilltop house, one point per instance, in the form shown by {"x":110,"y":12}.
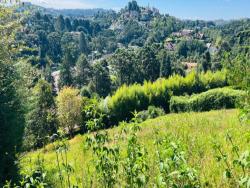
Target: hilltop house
{"x":189,"y":34}
{"x":184,"y":33}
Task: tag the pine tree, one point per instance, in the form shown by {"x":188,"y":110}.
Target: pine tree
{"x":101,"y":78}
{"x":165,"y":63}
{"x":206,"y":62}
{"x":83,"y":44}
{"x":148,"y":64}
{"x":75,"y":24}
{"x":11,"y":101}
{"x":11,"y":122}
{"x":60,"y":24}
{"x":65,"y":72}
{"x":42,"y":117}
{"x":68,"y":25}
{"x":83,"y":71}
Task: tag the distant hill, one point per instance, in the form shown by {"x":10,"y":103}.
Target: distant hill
{"x":77,"y":12}
{"x":64,"y":12}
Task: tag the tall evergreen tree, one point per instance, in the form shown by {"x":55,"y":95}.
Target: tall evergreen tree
{"x":148,"y":64}
{"x":165,"y":63}
{"x":42,"y":117}
{"x":68,"y":25}
{"x":75,"y":24}
{"x":54,"y":50}
{"x":83,"y":44}
{"x":123,"y":64}
{"x":65,"y":72}
{"x":83,"y":71}
{"x":60,"y":24}
{"x":11,"y":99}
{"x":11,"y":122}
{"x":206,"y":62}
{"x":101,"y":78}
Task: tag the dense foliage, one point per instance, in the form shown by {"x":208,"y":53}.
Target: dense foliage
{"x":12,"y":119}
{"x":41,"y":120}
{"x":127,"y":99}
{"x":64,"y":72}
{"x":211,"y":100}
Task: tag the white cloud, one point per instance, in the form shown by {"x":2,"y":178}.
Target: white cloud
{"x":60,"y":4}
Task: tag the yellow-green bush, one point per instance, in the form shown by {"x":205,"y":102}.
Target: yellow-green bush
{"x":137,"y":97}
{"x":211,"y":100}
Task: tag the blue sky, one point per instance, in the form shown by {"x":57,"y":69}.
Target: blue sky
{"x":185,"y":9}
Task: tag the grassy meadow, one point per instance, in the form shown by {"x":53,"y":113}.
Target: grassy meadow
{"x":196,"y":131}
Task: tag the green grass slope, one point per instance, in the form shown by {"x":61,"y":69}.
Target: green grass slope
{"x":197,"y":131}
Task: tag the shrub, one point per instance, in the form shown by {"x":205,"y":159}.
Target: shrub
{"x":126,"y":100}
{"x":137,"y":97}
{"x":213,"y":80}
{"x":150,"y":113}
{"x":93,"y":116}
{"x":210,"y":100}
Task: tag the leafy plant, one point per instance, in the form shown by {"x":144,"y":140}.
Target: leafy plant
{"x":93,"y":117}
{"x":106,"y":159}
{"x":135,"y":164}
{"x":61,"y":148}
{"x":173,"y":166}
{"x":236,"y":165}
{"x":35,"y":178}
{"x":150,"y":113}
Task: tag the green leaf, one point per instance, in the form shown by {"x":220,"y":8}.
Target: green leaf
{"x":227,"y":174}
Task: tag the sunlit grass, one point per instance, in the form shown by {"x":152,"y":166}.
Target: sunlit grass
{"x":197,"y":131}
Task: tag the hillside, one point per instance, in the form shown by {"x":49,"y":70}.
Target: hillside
{"x":87,"y":96}
{"x":196,"y":132}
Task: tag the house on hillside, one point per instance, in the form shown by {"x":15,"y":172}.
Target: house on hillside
{"x":177,"y":34}
{"x":199,"y":36}
{"x":187,"y":32}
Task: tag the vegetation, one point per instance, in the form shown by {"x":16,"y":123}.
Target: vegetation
{"x":12,"y":109}
{"x":127,"y":99}
{"x":211,"y":100}
{"x":177,"y":149}
{"x":41,"y":120}
{"x":69,"y":109}
{"x":69,"y":72}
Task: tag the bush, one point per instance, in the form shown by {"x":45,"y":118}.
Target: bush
{"x":150,"y":113}
{"x":126,"y":100}
{"x":137,"y":97}
{"x":210,"y":100}
{"x":85,"y":92}
{"x":93,"y":115}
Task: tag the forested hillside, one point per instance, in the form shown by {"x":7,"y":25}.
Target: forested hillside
{"x":71,"y":74}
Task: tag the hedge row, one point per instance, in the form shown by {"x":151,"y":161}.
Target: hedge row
{"x":138,"y":97}
{"x":211,"y":100}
